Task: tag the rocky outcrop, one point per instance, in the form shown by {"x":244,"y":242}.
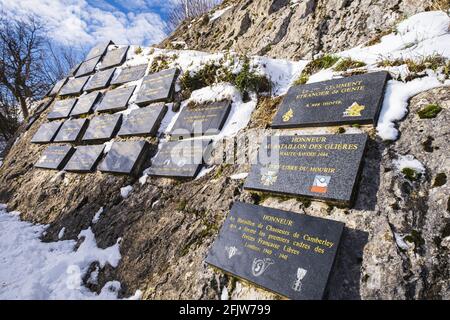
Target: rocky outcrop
{"x":294,"y":29}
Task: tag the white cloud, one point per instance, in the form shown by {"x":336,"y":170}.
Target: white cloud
{"x":76,"y":22}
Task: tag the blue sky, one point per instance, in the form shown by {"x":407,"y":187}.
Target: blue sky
{"x":86,"y":22}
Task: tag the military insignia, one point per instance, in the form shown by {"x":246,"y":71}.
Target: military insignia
{"x":297,"y":285}
{"x":320,"y":184}
{"x":232,"y":251}
{"x":354,"y":110}
{"x":269,"y":178}
{"x":288,"y":115}
{"x":260,"y":265}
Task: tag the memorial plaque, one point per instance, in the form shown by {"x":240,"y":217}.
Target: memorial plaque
{"x":85,"y":158}
{"x":129,"y":74}
{"x":55,"y":157}
{"x":85,"y":104}
{"x":355,"y":99}
{"x":74,"y":86}
{"x":323,"y":167}
{"x":103,"y":127}
{"x":143,"y":121}
{"x":180,"y":158}
{"x":206,"y":119}
{"x":285,"y":252}
{"x":71,"y":130}
{"x":87,"y":67}
{"x":114,"y":58}
{"x":99,"y":80}
{"x":61,"y":109}
{"x":116,"y":100}
{"x":157,"y":87}
{"x":57,"y":87}
{"x":74,"y":69}
{"x":125,"y":157}
{"x":46,"y":132}
{"x":99,"y":50}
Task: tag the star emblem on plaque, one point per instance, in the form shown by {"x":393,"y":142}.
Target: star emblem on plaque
{"x":288,"y":115}
{"x":354,"y":110}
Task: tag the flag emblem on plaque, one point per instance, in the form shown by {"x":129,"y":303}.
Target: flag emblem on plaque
{"x":320,"y":184}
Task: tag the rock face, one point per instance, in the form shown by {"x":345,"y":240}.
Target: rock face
{"x":166,"y":226}
{"x":294,"y":29}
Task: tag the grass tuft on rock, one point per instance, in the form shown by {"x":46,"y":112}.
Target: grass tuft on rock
{"x":411,"y":174}
{"x":138,"y":50}
{"x":324,"y":62}
{"x":348,"y":63}
{"x":429,"y":111}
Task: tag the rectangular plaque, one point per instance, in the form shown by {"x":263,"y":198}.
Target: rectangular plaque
{"x":71,"y":130}
{"x":206,"y":119}
{"x":143,"y":121}
{"x":323,"y":167}
{"x":181,"y":159}
{"x":61,"y":109}
{"x":285,"y":252}
{"x":157,"y":87}
{"x":74,"y":86}
{"x":57,"y":87}
{"x":85,"y":104}
{"x":129,"y":74}
{"x":99,"y":80}
{"x":85,"y":158}
{"x":46,"y":132}
{"x":103,"y":127}
{"x":99,"y":49}
{"x":116,"y":100}
{"x":87,"y":67}
{"x":114,"y":57}
{"x":350,"y":100}
{"x":55,"y":157}
{"x":125,"y":157}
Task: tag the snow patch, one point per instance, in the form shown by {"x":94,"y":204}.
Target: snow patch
{"x":61,"y":232}
{"x":97,"y":215}
{"x":408,"y":161}
{"x":218,"y":13}
{"x":224,"y":295}
{"x":125,"y":191}
{"x":239,"y":176}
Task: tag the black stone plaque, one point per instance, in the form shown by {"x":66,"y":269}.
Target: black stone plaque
{"x":46,"y":132}
{"x":55,"y":157}
{"x":85,"y":158}
{"x":317,"y":166}
{"x":85,"y":104}
{"x":87,"y":67}
{"x":125,"y":157}
{"x":57,"y":87}
{"x":103,"y":127}
{"x":74,"y":69}
{"x":99,"y":50}
{"x":71,"y":130}
{"x":355,"y":99}
{"x":129,"y":74}
{"x":61,"y":109}
{"x":115,"y":100}
{"x":114,"y":57}
{"x":157,"y":87}
{"x":180,"y":158}
{"x":99,"y":80}
{"x":206,"y":119}
{"x":285,"y":252}
{"x":73,"y":86}
{"x":143,"y":121}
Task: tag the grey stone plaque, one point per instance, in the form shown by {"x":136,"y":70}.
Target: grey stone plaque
{"x":285,"y":252}
{"x":355,"y":99}
{"x":181,"y":159}
{"x":57,"y":87}
{"x":129,"y":74}
{"x":103,"y":127}
{"x":46,"y":132}
{"x":126,"y":157}
{"x":143,"y":121}
{"x":85,"y":104}
{"x":85,"y":158}
{"x":157,"y":87}
{"x":206,"y":119}
{"x":71,"y":130}
{"x":74,"y":86}
{"x":114,"y":57}
{"x":99,"y":50}
{"x":323,"y":167}
{"x":87,"y":67}
{"x":99,"y":80}
{"x":55,"y":157}
{"x":115,"y":100}
{"x":61,"y":109}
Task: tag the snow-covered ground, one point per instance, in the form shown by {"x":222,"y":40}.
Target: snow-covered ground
{"x":32,"y":269}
